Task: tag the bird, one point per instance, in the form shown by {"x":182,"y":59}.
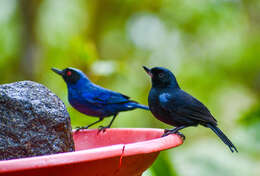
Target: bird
{"x":93,"y":100}
{"x":173,"y":106}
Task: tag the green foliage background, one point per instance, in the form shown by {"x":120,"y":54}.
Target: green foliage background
{"x":213,"y":47}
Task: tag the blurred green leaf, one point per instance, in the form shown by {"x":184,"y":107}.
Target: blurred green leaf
{"x":252,"y":117}
{"x":163,"y":165}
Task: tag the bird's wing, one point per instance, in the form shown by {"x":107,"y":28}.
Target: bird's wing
{"x":185,"y":105}
{"x":111,"y":98}
{"x":100,"y":95}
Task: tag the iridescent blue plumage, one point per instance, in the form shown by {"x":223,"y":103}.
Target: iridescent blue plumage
{"x":93,"y":100}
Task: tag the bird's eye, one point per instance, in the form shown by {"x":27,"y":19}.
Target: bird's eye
{"x":69,"y":73}
{"x":160,"y":75}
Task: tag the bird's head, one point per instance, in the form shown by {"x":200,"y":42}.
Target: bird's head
{"x":70,"y":75}
{"x":161,"y":77}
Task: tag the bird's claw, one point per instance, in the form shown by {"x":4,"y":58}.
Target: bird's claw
{"x":102,"y":128}
{"x":181,"y":135}
{"x":81,"y":128}
{"x":173,"y":131}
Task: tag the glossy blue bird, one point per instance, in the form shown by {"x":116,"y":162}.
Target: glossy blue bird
{"x":93,"y":100}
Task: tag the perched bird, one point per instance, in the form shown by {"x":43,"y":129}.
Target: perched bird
{"x":93,"y":100}
{"x":171,"y":105}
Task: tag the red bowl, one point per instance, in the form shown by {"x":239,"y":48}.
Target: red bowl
{"x":117,"y":152}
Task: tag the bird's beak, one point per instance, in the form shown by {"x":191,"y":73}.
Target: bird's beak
{"x":60,"y":72}
{"x":148,"y":71}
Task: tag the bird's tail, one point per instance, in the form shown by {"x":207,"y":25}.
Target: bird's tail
{"x":222,"y":136}
{"x":137,"y":105}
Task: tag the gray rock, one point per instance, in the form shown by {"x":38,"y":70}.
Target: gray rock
{"x":33,"y":121}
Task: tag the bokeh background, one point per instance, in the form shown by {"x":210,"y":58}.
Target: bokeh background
{"x":212,"y":46}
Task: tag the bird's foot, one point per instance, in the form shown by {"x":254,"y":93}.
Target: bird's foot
{"x":81,"y":128}
{"x":181,"y":135}
{"x":173,"y":131}
{"x":167,"y":132}
{"x":102,"y":128}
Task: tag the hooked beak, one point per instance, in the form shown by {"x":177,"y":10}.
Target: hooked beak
{"x":148,"y":71}
{"x":59,"y":72}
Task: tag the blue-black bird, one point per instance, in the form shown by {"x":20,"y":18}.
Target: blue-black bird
{"x":171,"y":105}
{"x":93,"y":100}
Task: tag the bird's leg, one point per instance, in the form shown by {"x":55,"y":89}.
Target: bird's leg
{"x":86,"y":127}
{"x":175,"y":131}
{"x":103,"y":128}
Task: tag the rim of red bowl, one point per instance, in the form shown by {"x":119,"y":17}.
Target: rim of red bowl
{"x":143,"y":147}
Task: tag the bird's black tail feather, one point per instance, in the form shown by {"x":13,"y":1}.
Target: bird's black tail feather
{"x":222,"y":136}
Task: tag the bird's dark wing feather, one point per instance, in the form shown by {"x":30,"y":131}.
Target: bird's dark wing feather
{"x":100,"y":95}
{"x":111,"y":98}
{"x":187,"y":106}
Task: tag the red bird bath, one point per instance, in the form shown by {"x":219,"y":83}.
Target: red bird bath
{"x":117,"y":152}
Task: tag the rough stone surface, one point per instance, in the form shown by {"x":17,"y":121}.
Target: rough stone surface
{"x":33,"y":121}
